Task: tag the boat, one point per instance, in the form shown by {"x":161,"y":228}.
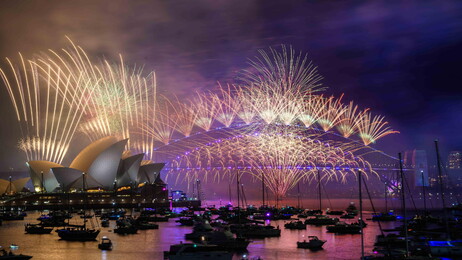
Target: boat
{"x":344,"y":228}
{"x":105,"y":244}
{"x":320,"y":220}
{"x":186,"y":221}
{"x":334,"y":212}
{"x":105,"y":222}
{"x":446,"y":248}
{"x":126,"y":230}
{"x":295,"y":225}
{"x":12,"y":216}
{"x":348,"y":216}
{"x":313,"y":212}
{"x":191,"y":251}
{"x":313,"y":243}
{"x":384,"y":217}
{"x":255,"y":231}
{"x":351,"y":209}
{"x":37,"y":229}
{"x":200,"y":229}
{"x":226,"y":240}
{"x":11,"y":256}
{"x":142,"y":225}
{"x":391,"y":240}
{"x":125,"y":226}
{"x":78,"y":233}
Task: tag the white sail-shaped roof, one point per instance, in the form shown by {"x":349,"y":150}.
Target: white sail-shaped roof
{"x":149,"y":172}
{"x":66,"y":176}
{"x":105,"y":166}
{"x":89,"y":154}
{"x":20,"y":183}
{"x":128,"y":171}
{"x":13,"y":186}
{"x":39,"y":169}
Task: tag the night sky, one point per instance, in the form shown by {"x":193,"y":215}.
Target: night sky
{"x":402,"y":59}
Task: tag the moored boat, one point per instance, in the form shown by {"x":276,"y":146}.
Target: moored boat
{"x":256,"y":231}
{"x":11,"y":256}
{"x":105,"y":244}
{"x":446,"y":248}
{"x":78,"y":233}
{"x":313,"y":243}
{"x":190,"y":251}
{"x":295,"y":225}
{"x":344,"y":228}
{"x":320,"y":220}
{"x":37,"y":229}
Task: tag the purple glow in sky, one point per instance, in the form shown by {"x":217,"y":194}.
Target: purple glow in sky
{"x":401,"y":59}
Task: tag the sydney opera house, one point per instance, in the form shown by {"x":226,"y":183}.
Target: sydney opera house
{"x":103,"y":169}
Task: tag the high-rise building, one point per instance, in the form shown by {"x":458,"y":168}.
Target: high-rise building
{"x":417,"y":159}
{"x":455,"y":160}
{"x":421,"y":168}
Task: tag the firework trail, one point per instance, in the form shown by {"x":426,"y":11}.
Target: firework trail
{"x":283,"y":156}
{"x":47,"y":108}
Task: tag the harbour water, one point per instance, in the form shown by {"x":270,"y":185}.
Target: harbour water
{"x":150,"y":244}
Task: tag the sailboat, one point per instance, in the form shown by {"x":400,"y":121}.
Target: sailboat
{"x":78,"y":232}
{"x":447,"y":247}
{"x":320,"y":220}
{"x":384,"y":216}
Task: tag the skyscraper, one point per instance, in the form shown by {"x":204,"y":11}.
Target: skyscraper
{"x":455,"y":160}
{"x":417,"y":159}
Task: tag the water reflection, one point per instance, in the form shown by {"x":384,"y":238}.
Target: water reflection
{"x":150,"y":244}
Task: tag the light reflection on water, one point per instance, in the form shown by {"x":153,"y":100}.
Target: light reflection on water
{"x":150,"y":244}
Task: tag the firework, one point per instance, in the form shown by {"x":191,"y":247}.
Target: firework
{"x":349,"y":120}
{"x":205,"y":111}
{"x":244,"y":108}
{"x":283,"y":156}
{"x":331,"y":114}
{"x":284,"y":70}
{"x":63,"y":92}
{"x":372,"y":128}
{"x":184,"y":117}
{"x":47,"y":119}
{"x":161,"y":127}
{"x":226,"y":104}
{"x":311,"y":110}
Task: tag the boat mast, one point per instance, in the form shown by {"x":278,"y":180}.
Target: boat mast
{"x":424,"y":195}
{"x":42,"y":183}
{"x":361,"y":213}
{"x":238,"y":197}
{"x":440,"y":177}
{"x":198,"y":188}
{"x":85,"y":202}
{"x":229,"y":189}
{"x":263,"y":187}
{"x":11,"y":186}
{"x":386,"y":199}
{"x":298,"y":194}
{"x":319,"y":190}
{"x":403,"y":201}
